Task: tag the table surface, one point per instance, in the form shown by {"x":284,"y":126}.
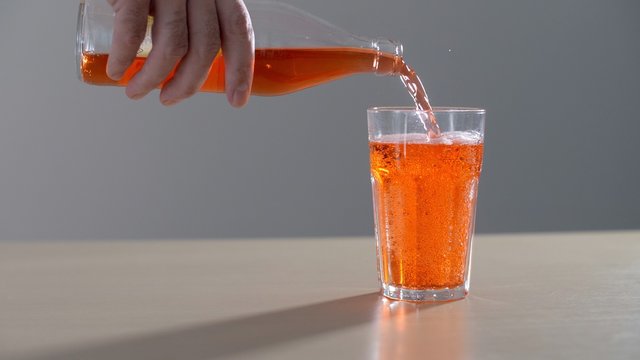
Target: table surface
{"x":533,"y":296}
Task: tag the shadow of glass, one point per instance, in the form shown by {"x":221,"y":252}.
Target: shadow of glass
{"x":223,"y":338}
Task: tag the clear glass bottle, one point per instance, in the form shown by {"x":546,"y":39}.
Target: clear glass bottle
{"x":294,"y":50}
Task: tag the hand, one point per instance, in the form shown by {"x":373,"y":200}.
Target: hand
{"x":185,"y":32}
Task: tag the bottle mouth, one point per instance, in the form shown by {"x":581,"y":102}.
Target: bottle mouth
{"x":389,"y":56}
{"x":388,"y":46}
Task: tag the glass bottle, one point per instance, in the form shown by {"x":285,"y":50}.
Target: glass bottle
{"x":294,"y":50}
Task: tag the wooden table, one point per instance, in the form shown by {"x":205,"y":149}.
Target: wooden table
{"x":533,"y":296}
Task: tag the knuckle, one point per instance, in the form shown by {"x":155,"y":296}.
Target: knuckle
{"x":205,"y":51}
{"x":119,"y":61}
{"x":132,"y":38}
{"x":175,"y":50}
{"x":242,"y":75}
{"x":176,"y":35}
{"x":132,"y":14}
{"x":204,"y":42}
{"x":190,"y":90}
{"x":150,"y":81}
{"x":185,"y":89}
{"x":249,"y":35}
{"x":210,"y":34}
{"x":132,"y":26}
{"x":241,"y":23}
{"x":211,"y":26}
{"x":130,"y":5}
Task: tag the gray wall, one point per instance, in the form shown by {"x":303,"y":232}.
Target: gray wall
{"x":560,"y":80}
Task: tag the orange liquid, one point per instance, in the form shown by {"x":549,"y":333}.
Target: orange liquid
{"x":286,"y":70}
{"x":276,"y":71}
{"x":424,"y":200}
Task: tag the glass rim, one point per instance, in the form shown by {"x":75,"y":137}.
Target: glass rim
{"x":436,"y":109}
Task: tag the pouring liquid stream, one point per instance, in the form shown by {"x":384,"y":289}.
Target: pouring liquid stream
{"x":415,"y":88}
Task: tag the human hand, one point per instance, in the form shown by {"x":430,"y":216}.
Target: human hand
{"x":186,"y":33}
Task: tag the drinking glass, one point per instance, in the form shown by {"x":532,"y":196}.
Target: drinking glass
{"x":425,"y":189}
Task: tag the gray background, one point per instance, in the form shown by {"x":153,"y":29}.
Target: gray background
{"x":560,"y":81}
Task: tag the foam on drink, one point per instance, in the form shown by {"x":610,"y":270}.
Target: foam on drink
{"x":445,"y":138}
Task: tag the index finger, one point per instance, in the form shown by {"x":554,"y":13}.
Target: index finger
{"x":129,"y":29}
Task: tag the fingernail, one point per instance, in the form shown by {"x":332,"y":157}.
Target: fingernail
{"x":169,"y":102}
{"x":239,"y":95}
{"x":116,"y":76}
{"x":136,"y":96}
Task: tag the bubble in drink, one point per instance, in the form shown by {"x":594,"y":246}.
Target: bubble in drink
{"x":424,"y":192}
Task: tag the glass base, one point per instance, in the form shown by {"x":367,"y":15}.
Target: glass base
{"x":446,"y":294}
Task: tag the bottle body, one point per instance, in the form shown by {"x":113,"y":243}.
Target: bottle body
{"x":287,"y":59}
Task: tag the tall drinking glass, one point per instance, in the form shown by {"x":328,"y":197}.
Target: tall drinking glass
{"x":424,"y":199}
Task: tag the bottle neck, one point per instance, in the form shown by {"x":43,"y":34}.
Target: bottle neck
{"x":388,"y":60}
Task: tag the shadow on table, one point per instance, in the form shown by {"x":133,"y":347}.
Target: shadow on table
{"x":223,"y":338}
